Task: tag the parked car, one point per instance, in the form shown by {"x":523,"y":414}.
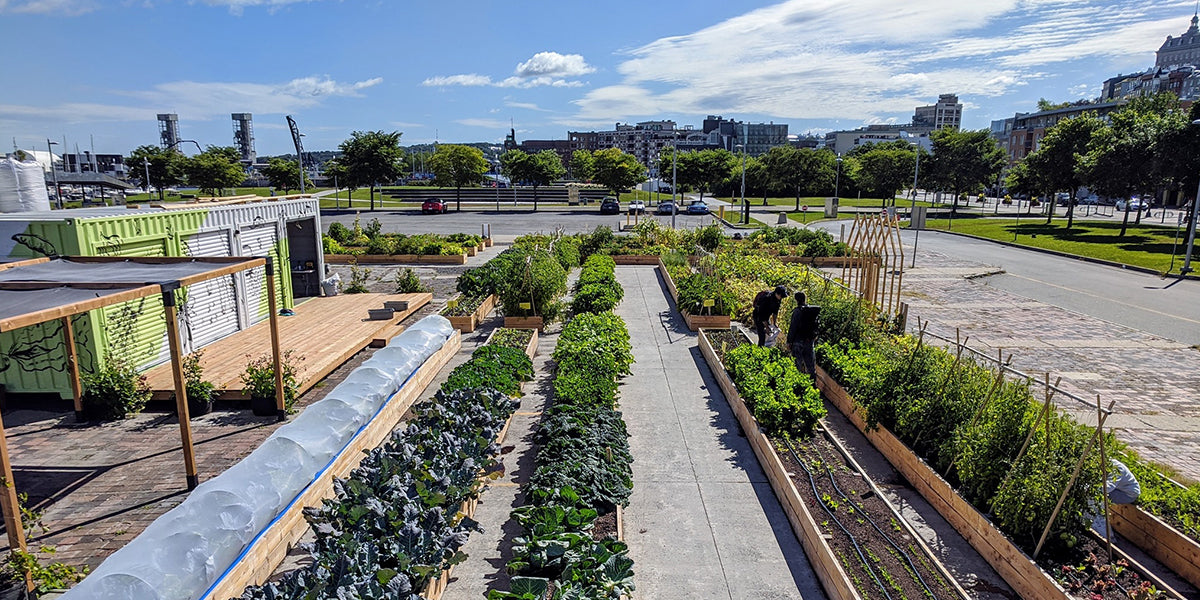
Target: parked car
{"x":435,"y":206}
{"x":665,"y":207}
{"x":637,"y":207}
{"x":1135,"y":204}
{"x":610,"y":206}
{"x":1088,"y":200}
{"x":697,"y":208}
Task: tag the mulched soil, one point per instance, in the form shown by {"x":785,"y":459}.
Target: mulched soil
{"x":1089,"y":575}
{"x":605,"y":526}
{"x":886,"y":556}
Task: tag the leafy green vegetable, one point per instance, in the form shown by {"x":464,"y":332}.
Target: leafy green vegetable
{"x":781,"y":398}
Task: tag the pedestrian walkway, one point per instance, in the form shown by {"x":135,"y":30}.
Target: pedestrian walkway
{"x":702,"y":521}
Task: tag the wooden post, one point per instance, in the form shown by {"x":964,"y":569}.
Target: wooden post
{"x":8,"y":498}
{"x":276,"y":354}
{"x":181,"y":406}
{"x":73,"y":366}
{"x":1071,"y":483}
{"x":1104,"y":479}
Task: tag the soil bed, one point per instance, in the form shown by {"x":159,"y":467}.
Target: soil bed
{"x":466,"y":306}
{"x":878,"y":554}
{"x":605,"y":525}
{"x":1087,"y":574}
{"x":511,"y":338}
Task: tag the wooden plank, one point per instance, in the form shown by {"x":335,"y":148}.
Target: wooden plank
{"x":389,"y":259}
{"x":535,"y":323}
{"x":1159,"y":539}
{"x":58,"y":312}
{"x":324,"y":331}
{"x":265,"y":554}
{"x":829,"y":570}
{"x":1013,"y":565}
{"x":635,"y":259}
{"x":698,"y":322}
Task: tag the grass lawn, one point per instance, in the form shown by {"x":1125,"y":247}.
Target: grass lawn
{"x":257,"y":191}
{"x":817,"y":215}
{"x":1146,"y":246}
{"x":819,"y":203}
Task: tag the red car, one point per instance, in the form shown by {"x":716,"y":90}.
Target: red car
{"x":435,"y":206}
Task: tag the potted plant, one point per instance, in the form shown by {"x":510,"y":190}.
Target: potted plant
{"x":200,"y":393}
{"x":115,"y":391}
{"x":259,"y":381}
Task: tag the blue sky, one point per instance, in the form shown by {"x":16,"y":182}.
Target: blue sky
{"x":460,"y":70}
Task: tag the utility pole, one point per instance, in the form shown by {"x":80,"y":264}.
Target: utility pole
{"x":57,"y":187}
{"x":674,"y":159}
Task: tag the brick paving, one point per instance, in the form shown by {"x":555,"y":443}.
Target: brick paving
{"x":1154,"y":381}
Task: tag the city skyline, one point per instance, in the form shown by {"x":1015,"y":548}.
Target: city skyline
{"x":461,"y":72}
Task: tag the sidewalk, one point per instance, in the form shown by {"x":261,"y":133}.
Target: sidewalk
{"x":702,"y":521}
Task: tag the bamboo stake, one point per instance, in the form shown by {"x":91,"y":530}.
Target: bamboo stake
{"x":983,"y":405}
{"x":1071,"y":483}
{"x":1032,"y":430}
{"x":1104,"y":480}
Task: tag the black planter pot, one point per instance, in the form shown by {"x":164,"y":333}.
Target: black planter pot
{"x":15,"y":590}
{"x":199,"y":407}
{"x":262,"y":406}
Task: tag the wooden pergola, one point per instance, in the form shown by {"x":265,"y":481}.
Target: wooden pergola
{"x":42,"y":290}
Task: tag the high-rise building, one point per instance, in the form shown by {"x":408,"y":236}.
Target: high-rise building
{"x":947,"y":112}
{"x":168,"y":131}
{"x":757,"y":138}
{"x":1182,"y":50}
{"x":243,"y":137}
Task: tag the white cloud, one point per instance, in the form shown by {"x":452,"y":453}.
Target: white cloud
{"x":526,"y":106}
{"x":484,"y":123}
{"x":60,"y":8}
{"x":553,"y":64}
{"x":871,"y":60}
{"x":543,"y":69}
{"x":238,"y":6}
{"x":201,"y":100}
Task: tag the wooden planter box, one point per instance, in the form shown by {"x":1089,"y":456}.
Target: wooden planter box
{"x":472,"y":250}
{"x":1026,"y":578}
{"x":524,"y":323}
{"x":635,"y":259}
{"x":389,"y":259}
{"x":694,"y":322}
{"x":819,"y":261}
{"x":662,"y":268}
{"x":487,"y":242}
{"x":269,"y":549}
{"x":468,"y":323}
{"x":825,"y":563}
{"x":1157,"y":538}
{"x":530,"y":348}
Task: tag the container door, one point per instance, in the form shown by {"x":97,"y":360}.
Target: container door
{"x":260,"y":240}
{"x":135,"y":330}
{"x":210,"y":309}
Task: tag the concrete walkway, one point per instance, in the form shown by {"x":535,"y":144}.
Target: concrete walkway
{"x":702,"y":521}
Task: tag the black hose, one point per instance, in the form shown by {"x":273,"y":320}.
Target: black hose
{"x":850,"y":536}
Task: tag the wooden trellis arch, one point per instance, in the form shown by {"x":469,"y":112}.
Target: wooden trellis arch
{"x":876,"y":266}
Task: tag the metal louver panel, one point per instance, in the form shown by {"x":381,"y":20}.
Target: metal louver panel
{"x":210,"y":308}
{"x":260,"y":240}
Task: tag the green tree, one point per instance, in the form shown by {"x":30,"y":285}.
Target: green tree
{"x":455,"y":166}
{"x":544,"y":168}
{"x":583,"y":165}
{"x":166,"y":167}
{"x":714,"y":167}
{"x":285,"y":175}
{"x":215,"y":169}
{"x":371,"y":157}
{"x":964,"y":161}
{"x":884,"y":171}
{"x":800,"y":170}
{"x":617,"y":170}
{"x":1058,"y":161}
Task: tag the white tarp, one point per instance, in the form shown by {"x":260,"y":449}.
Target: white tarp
{"x":184,"y":552}
{"x":22,"y":186}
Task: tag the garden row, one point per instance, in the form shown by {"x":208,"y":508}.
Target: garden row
{"x":966,"y":423}
{"x":359,"y":241}
{"x":395,"y":526}
{"x":570,"y":545}
{"x":858,"y":543}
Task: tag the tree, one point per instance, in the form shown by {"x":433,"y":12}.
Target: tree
{"x":544,"y":168}
{"x":285,"y":175}
{"x":884,"y":171}
{"x":964,"y":161}
{"x":800,"y":170}
{"x":166,"y":167}
{"x":617,"y":170}
{"x":456,"y":166}
{"x":371,"y":157}
{"x":582,"y":165}
{"x":216,"y":168}
{"x":1058,"y":160}
{"x":713,"y":167}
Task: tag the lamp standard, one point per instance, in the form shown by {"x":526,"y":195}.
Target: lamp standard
{"x":916,"y":173}
{"x":146,"y":165}
{"x":745,"y":206}
{"x":674,"y":159}
{"x":1191,"y":243}
{"x":837,"y":179}
{"x":58,"y":188}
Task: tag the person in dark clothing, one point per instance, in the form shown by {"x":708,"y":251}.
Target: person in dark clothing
{"x":802,"y":334}
{"x":766,"y":311}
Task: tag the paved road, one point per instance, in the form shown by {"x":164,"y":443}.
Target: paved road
{"x":1163,"y":307}
{"x":702,"y":521}
{"x":504,"y":224}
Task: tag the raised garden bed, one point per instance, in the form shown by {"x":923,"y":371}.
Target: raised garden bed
{"x":694,"y":322}
{"x":536,"y":323}
{"x":1025,"y":576}
{"x":470,"y":312}
{"x":835,"y":558}
{"x":1159,"y":539}
{"x":428,"y":259}
{"x":636,"y":259}
{"x":521,"y":339}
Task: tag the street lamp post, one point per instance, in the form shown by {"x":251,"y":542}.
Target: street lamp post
{"x":745,"y":205}
{"x":58,"y":188}
{"x":674,"y":185}
{"x":1191,"y":243}
{"x":837,"y":179}
{"x":913,"y":209}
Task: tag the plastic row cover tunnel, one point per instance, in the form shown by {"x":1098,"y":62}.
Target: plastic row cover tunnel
{"x":184,"y":552}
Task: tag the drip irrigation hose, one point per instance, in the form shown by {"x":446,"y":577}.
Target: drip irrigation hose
{"x":817,"y":495}
{"x":859,"y":506}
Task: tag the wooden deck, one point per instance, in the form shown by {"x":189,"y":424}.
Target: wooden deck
{"x":325,"y":332}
